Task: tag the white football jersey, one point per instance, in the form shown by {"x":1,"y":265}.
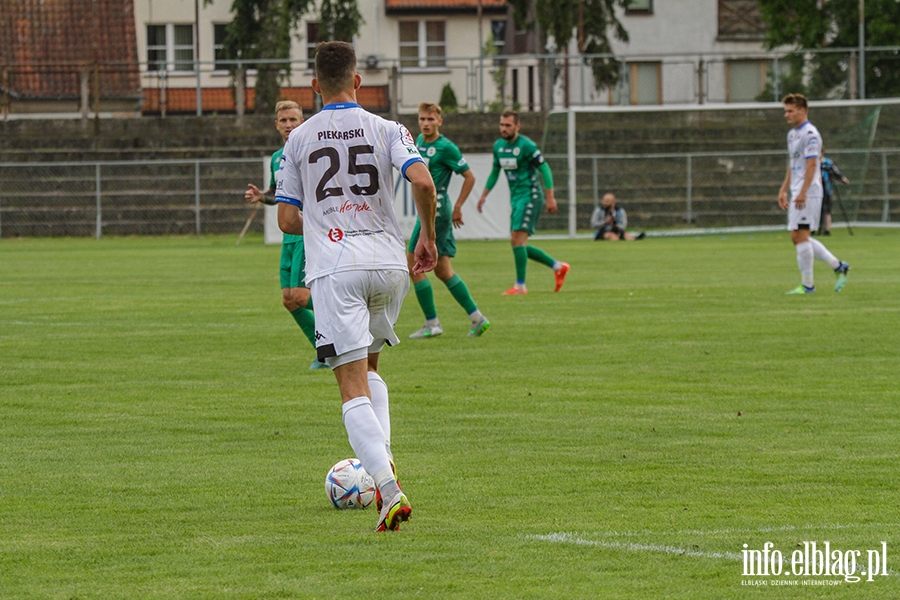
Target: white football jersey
{"x":804,"y":142}
{"x":338,"y":168}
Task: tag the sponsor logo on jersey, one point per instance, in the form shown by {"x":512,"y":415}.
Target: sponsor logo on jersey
{"x":342,"y":135}
{"x":461,"y":162}
{"x":335,"y":235}
{"x":406,"y":137}
{"x":509,"y":163}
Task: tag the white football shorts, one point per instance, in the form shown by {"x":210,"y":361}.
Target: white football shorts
{"x":808,"y":216}
{"x":356,"y":312}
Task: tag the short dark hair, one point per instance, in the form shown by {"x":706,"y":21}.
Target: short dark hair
{"x":335,"y":66}
{"x":510,"y":113}
{"x":798,"y":100}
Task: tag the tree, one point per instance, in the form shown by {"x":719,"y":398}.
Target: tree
{"x":560,"y":18}
{"x":261,"y":29}
{"x":815,"y":24}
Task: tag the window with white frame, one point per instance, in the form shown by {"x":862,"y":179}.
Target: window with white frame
{"x":498,"y":32}
{"x":220,"y":32}
{"x":639,"y":7}
{"x":423,"y":44}
{"x":170,"y":47}
{"x":312,"y":40}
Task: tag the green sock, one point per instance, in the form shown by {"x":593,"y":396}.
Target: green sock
{"x":521,"y":255}
{"x":460,"y":293}
{"x":535,"y":253}
{"x":425,"y":296}
{"x":307,"y":322}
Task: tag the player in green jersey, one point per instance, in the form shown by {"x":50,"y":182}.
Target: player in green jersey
{"x":444,"y":159}
{"x":294,"y":293}
{"x":525,"y":170}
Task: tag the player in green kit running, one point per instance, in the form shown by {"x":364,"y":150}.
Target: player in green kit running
{"x":294,"y":293}
{"x":525,"y":169}
{"x":443,"y":159}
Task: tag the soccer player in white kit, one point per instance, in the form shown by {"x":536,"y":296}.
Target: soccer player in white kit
{"x":804,"y":181}
{"x":338,"y":170}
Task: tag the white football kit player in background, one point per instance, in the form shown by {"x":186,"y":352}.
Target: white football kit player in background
{"x":338,"y":170}
{"x":804,"y":182}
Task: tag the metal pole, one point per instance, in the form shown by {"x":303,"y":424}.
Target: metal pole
{"x":480,"y":61}
{"x":99,"y":227}
{"x":197,"y":55}
{"x":690,"y":211}
{"x":886,"y":211}
{"x":197,"y":195}
{"x":595,"y":185}
{"x":570,"y":152}
{"x":862,"y":49}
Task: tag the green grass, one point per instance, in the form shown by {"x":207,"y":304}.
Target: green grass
{"x":161,"y":436}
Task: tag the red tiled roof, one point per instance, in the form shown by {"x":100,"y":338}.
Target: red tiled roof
{"x":45,"y":44}
{"x":449,"y":5}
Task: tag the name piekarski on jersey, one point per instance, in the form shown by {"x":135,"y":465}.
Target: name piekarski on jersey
{"x":341,"y":135}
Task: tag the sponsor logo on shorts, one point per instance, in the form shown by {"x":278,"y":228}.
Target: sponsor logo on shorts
{"x":335,"y":235}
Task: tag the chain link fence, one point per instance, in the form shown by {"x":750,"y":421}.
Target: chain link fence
{"x":127,"y":198}
{"x":717,"y":189}
{"x":699,"y":189}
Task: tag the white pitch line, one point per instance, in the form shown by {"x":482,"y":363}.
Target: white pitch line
{"x":732,"y":530}
{"x":568,"y":538}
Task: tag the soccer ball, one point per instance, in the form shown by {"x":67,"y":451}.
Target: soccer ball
{"x":349,"y":486}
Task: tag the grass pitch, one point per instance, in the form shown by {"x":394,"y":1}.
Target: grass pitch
{"x":161,"y":436}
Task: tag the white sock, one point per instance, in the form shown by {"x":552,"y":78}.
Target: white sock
{"x":475,"y":316}
{"x":366,"y":437}
{"x":822,"y":253}
{"x":556,"y":266}
{"x":432,"y":322}
{"x":380,"y":404}
{"x":805,"y":259}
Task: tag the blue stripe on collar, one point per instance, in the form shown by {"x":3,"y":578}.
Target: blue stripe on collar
{"x":341,"y":105}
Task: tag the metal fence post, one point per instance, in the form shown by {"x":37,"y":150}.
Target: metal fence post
{"x":570,"y":144}
{"x":595,"y":183}
{"x":99,"y":230}
{"x":886,"y":211}
{"x":689,"y":190}
{"x":197,"y":195}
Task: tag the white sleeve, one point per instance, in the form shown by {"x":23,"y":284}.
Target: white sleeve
{"x":403,"y":147}
{"x":813,"y":146}
{"x":288,"y":187}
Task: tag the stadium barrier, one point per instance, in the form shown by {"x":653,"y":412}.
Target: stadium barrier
{"x":667,"y":190}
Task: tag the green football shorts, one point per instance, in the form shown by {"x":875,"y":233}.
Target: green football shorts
{"x":444,"y":240}
{"x":293,"y":265}
{"x":525,"y":213}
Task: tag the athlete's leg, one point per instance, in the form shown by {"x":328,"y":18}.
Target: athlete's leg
{"x":519,"y":241}
{"x":424,"y":291}
{"x":805,"y":256}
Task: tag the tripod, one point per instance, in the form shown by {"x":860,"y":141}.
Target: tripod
{"x":843,"y":210}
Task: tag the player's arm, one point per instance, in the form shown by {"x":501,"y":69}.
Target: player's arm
{"x":254,"y":194}
{"x":425,"y":197}
{"x":837,"y":173}
{"x":808,"y":176}
{"x":489,"y":184}
{"x":547,"y":179}
{"x":783,"y":192}
{"x":290,"y":218}
{"x":467,"y":186}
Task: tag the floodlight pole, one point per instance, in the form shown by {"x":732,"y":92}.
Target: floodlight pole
{"x":570,"y":155}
